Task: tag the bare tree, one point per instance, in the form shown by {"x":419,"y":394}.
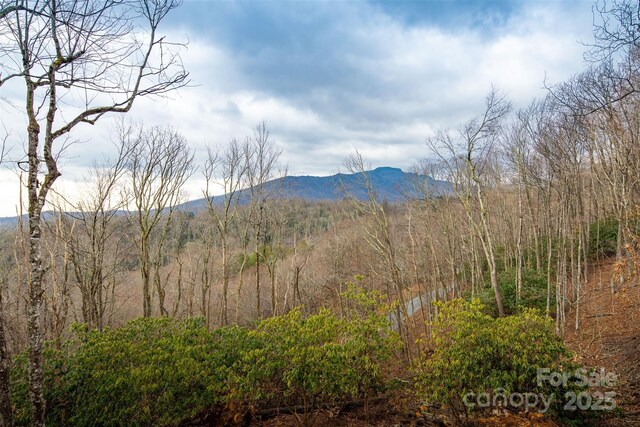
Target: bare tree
{"x":95,"y":243}
{"x":298,"y":222}
{"x":229,"y":167}
{"x":244,"y":232}
{"x":89,"y":52}
{"x":467,"y":155}
{"x":158,"y":166}
{"x":57,"y":302}
{"x":202,"y":263}
{"x":378,"y":233}
{"x":616,"y":30}
{"x":261,"y":159}
{"x":272,"y":251}
{"x":299,"y":260}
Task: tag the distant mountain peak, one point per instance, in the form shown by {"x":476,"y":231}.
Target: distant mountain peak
{"x":389,"y":183}
{"x":386,"y":169}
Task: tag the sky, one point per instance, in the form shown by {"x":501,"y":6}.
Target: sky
{"x":332,"y":76}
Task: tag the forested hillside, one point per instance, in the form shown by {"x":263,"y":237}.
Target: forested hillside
{"x":495,"y":283}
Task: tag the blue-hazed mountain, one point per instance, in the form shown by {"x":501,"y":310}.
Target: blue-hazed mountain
{"x":389,"y":184}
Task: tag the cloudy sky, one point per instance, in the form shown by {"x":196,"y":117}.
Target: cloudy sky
{"x":329,"y":77}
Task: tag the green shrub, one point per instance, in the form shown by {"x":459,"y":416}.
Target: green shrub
{"x":603,"y":238}
{"x":533,"y":293}
{"x":165,"y":372}
{"x":476,"y":353}
{"x":320,"y":358}
{"x":55,"y":365}
{"x":150,"y":372}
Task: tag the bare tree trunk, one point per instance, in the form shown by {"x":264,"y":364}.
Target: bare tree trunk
{"x":257,"y":253}
{"x":145,"y":271}
{"x":240,"y":283}
{"x":534,"y":228}
{"x":6,"y":408}
{"x":261,"y":160}
{"x":179,"y":285}
{"x":34,"y":327}
{"x":465,"y":160}
{"x":274,"y":294}
{"x":487,"y":243}
{"x":519,"y":250}
{"x":225,"y":281}
{"x":230,"y":166}
{"x":36,"y":271}
{"x":549,"y":255}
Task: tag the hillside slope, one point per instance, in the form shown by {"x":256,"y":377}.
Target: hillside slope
{"x":608,"y":336}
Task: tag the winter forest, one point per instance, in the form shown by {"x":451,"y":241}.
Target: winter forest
{"x":509,"y":256}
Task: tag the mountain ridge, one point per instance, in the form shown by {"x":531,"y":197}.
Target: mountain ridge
{"x":390,"y":184}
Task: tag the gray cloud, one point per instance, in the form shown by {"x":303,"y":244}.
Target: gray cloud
{"x":330,"y":77}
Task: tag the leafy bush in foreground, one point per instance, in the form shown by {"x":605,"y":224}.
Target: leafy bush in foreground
{"x":157,"y":371}
{"x":320,"y":358}
{"x":152,"y":371}
{"x":164,"y":372}
{"x":476,"y":353}
{"x":55,"y":364}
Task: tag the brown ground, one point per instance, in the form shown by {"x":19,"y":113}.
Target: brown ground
{"x":609,"y":337}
